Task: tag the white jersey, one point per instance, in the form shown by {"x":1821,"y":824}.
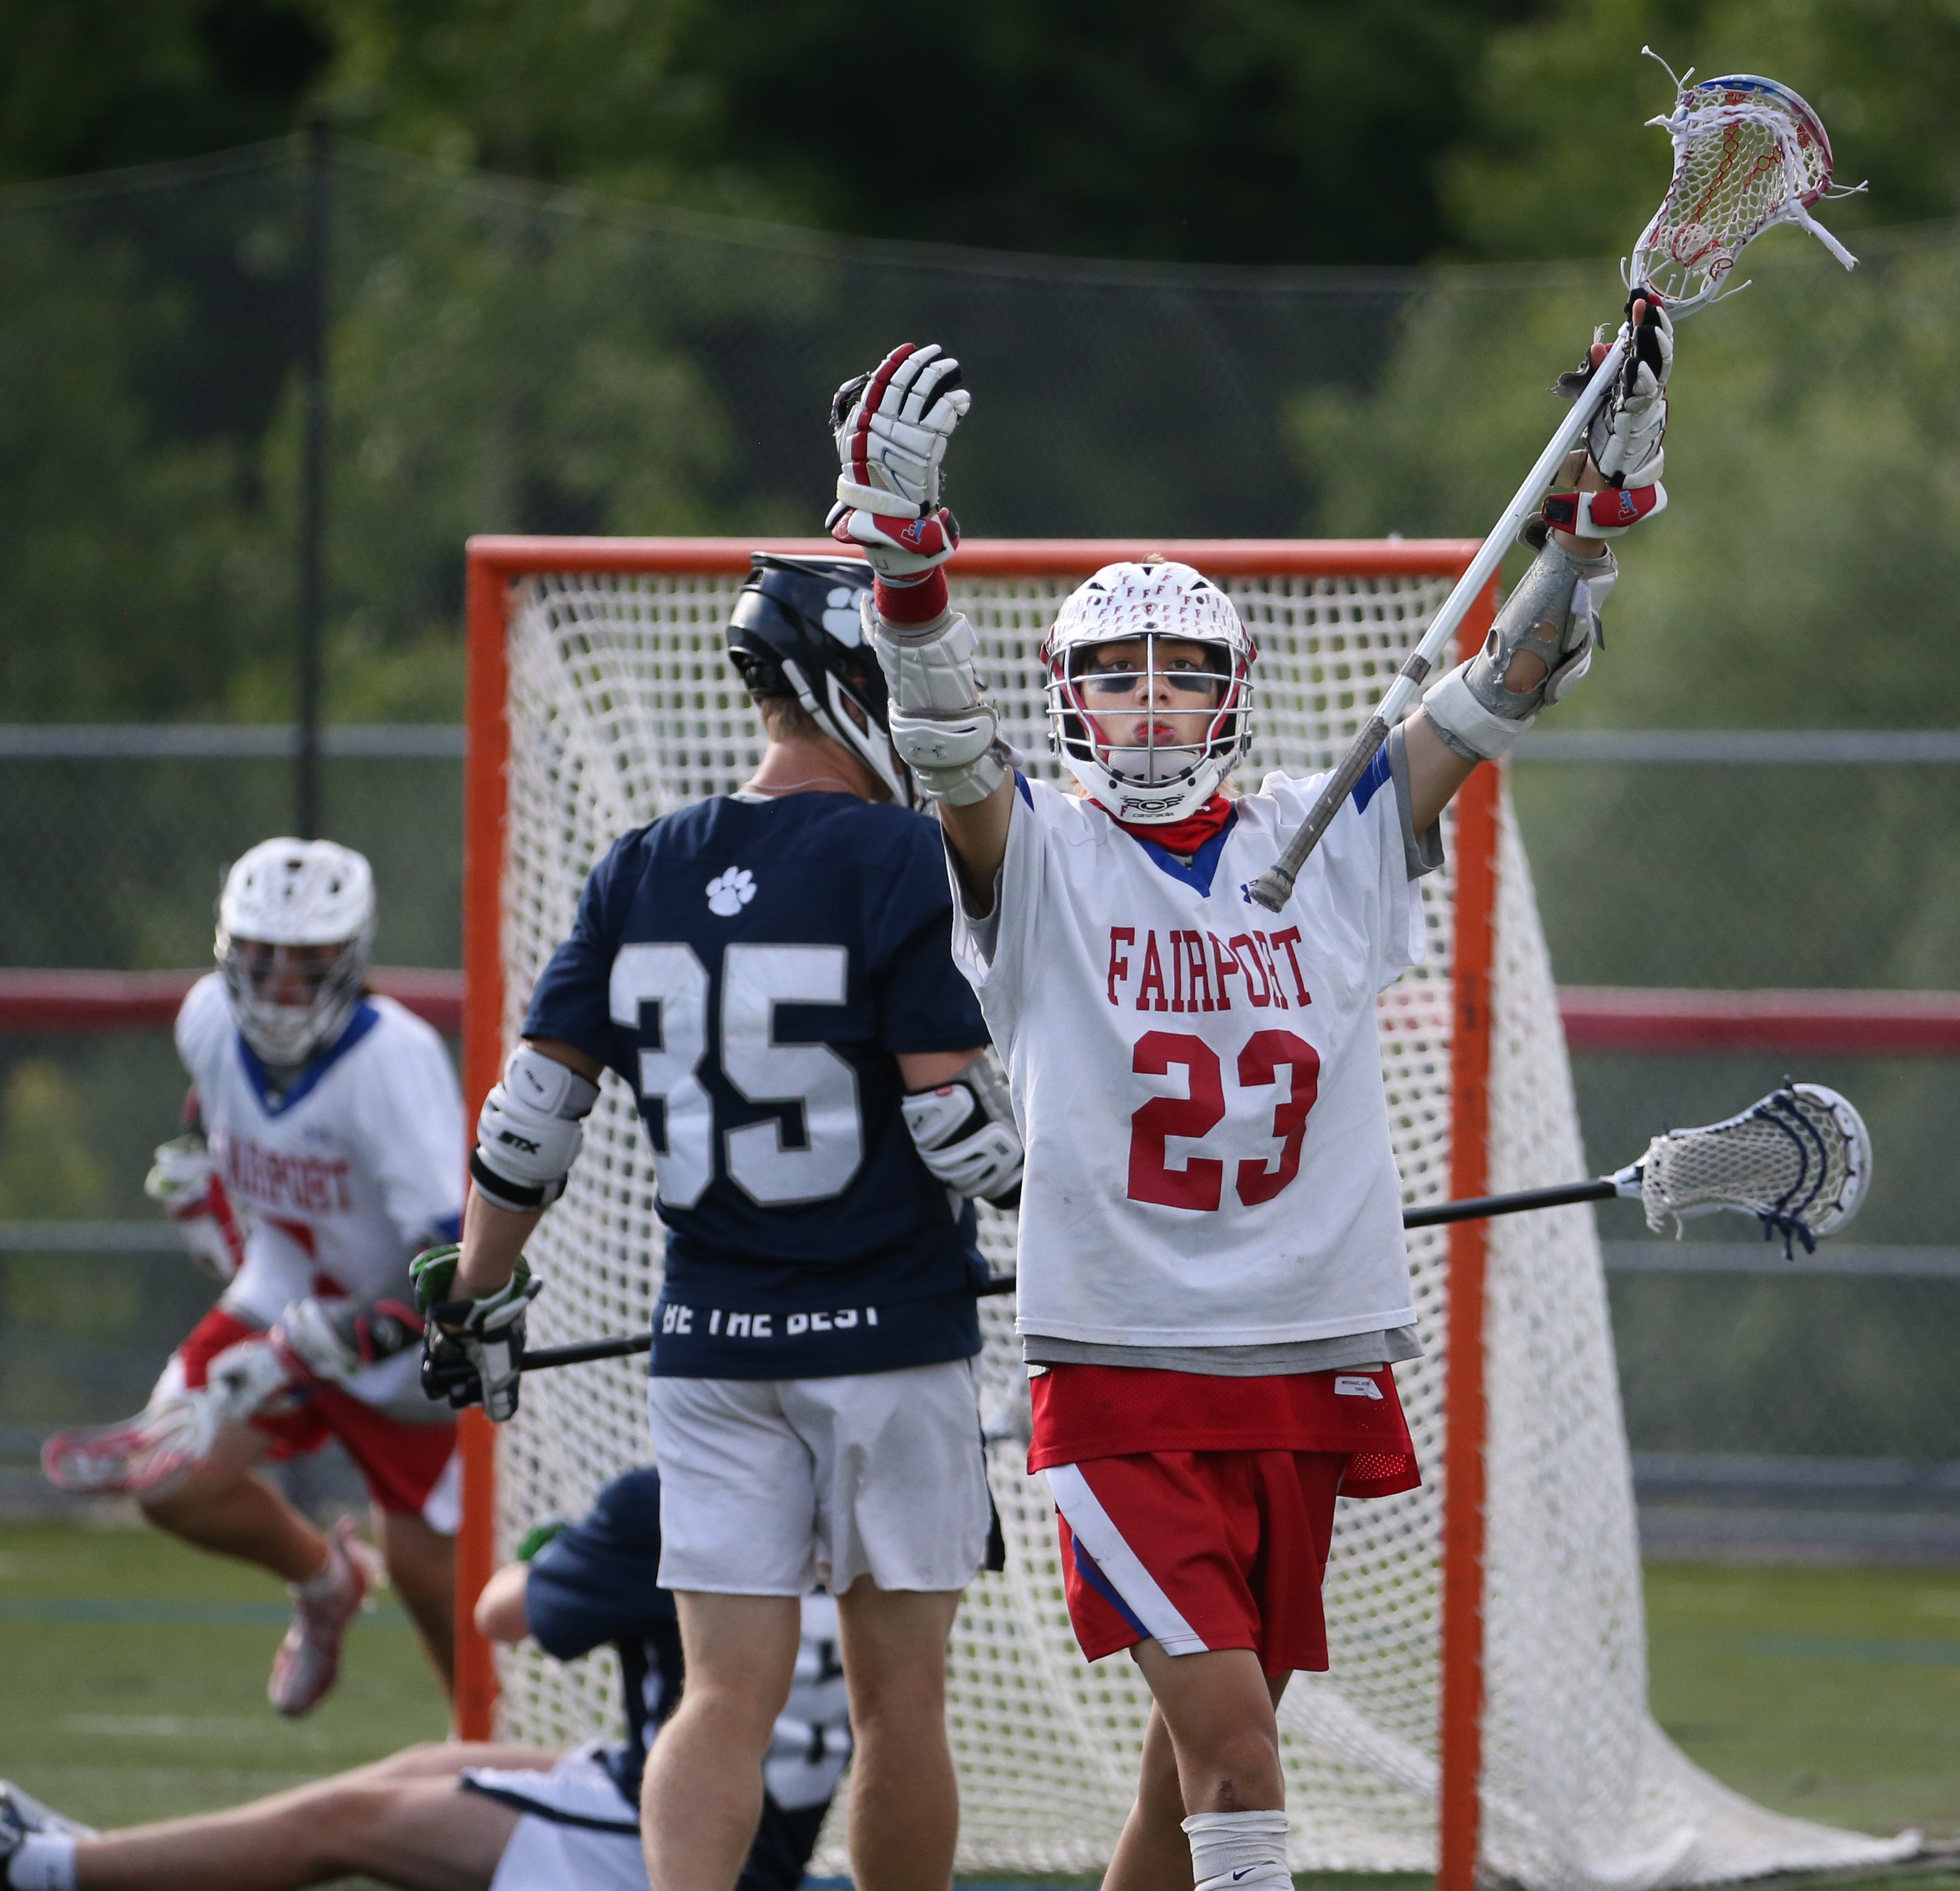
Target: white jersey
{"x":339,"y":1179}
{"x":1198,"y":1082}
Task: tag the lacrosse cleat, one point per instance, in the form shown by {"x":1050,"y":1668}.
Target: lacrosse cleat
{"x":21,"y":1813}
{"x":304,"y":1669}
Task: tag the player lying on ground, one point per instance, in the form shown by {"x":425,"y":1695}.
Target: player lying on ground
{"x":1210,"y":1194}
{"x":772,"y":972}
{"x":325,"y":1158}
{"x":463,"y":1818}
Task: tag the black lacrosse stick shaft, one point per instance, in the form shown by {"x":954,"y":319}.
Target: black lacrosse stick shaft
{"x":1477,"y":1208}
{"x":536,"y":1358}
{"x":624,"y":1346}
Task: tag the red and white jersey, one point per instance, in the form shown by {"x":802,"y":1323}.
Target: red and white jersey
{"x":343,"y":1177}
{"x":1198,"y":1081}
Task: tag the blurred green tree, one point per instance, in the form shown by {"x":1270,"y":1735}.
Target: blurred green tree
{"x":1556,"y":160}
{"x":1251,"y":131}
{"x":90,"y":85}
{"x":47,"y":1169}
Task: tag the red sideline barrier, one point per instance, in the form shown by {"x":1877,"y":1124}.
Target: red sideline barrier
{"x":1647,"y":1022}
{"x":76,"y":1004}
{"x":1632,"y":1021}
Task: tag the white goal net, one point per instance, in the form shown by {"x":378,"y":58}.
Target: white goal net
{"x":622,"y":706}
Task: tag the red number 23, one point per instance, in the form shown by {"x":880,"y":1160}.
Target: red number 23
{"x":1200,"y":1184}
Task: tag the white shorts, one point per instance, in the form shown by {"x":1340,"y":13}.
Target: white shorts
{"x":576,"y":1829}
{"x":775,"y":1486}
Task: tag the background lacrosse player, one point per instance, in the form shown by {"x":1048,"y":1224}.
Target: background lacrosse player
{"x":468,"y":1817}
{"x":329,"y":1152}
{"x":1210,"y":1189}
{"x":771,"y":970}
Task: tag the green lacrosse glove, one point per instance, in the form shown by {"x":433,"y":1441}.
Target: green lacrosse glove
{"x":538,"y":1535}
{"x":473,"y":1350}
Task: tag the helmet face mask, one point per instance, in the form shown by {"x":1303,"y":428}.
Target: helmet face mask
{"x":797,"y":629}
{"x":295,"y":931}
{"x":1149,"y":690}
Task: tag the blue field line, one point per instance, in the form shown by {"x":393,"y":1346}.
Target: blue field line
{"x":138,"y":1610}
{"x":1870,"y":1649}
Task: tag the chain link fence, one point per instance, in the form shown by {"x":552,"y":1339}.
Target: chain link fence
{"x":501,"y":358}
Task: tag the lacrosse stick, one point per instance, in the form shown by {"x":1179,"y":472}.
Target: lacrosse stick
{"x":1749,"y":154}
{"x":173,"y":1434}
{"x":1799,"y":1160}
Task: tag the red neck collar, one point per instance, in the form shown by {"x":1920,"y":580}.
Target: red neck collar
{"x":1181,"y":837}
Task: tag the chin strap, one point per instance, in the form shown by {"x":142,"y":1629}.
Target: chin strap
{"x":1184,"y":836}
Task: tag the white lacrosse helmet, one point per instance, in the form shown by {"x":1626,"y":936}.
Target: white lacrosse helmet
{"x":1153,"y":601}
{"x":286,"y":906}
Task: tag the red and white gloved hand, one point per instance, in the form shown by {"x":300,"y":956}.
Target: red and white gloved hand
{"x":1624,"y":438}
{"x":892,"y":427}
{"x":183,"y":1179}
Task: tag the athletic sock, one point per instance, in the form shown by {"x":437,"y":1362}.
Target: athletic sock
{"x":42,"y":1861}
{"x":1239,"y":1851}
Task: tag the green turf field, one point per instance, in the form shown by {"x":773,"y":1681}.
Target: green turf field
{"x":134,"y":1684}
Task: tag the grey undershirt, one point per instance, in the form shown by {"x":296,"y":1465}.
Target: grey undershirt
{"x":1376,"y":1348}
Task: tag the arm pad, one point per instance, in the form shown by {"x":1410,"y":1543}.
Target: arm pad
{"x":1553,"y":614}
{"x":965,"y":1134}
{"x":945,"y":731}
{"x":528,"y":1135}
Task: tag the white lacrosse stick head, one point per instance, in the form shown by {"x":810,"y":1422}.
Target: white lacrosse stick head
{"x":157,"y":1449}
{"x":1749,"y":154}
{"x":1799,"y":1161}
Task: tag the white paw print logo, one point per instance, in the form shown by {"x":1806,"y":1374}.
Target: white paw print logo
{"x":841,"y":618}
{"x":729,"y":893}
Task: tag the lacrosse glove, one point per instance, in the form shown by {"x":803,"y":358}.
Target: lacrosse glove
{"x":473,"y":1350}
{"x":184,"y":1179}
{"x":335,"y":1339}
{"x":892,"y":427}
{"x":1624,"y":439}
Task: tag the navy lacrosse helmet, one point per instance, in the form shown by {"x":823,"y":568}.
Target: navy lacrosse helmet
{"x":795,"y":630}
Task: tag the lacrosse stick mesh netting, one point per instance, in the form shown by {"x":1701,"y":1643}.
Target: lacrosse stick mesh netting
{"x":1747,"y":153}
{"x":1799,"y":1160}
{"x":621,"y":707}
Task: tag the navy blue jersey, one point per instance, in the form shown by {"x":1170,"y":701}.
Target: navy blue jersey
{"x":753,"y":968}
{"x":594,"y":1584}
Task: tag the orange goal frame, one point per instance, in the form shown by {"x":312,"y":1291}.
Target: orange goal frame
{"x":496,"y":564}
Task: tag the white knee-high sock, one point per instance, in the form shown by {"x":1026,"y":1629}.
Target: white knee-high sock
{"x":43,"y":1861}
{"x":1239,"y":1851}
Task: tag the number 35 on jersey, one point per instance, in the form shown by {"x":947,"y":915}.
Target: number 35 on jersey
{"x":680,"y":1115}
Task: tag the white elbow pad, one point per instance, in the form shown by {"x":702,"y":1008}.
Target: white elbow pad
{"x":944,"y":730}
{"x":528,"y":1136}
{"x":965,"y":1133}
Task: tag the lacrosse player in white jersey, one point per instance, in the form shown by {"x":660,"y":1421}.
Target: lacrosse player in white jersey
{"x":331,"y":1152}
{"x":1212,"y":1281}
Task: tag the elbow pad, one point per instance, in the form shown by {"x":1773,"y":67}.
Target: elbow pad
{"x":1553,"y":614}
{"x":528,"y":1135}
{"x":944,"y":730}
{"x":965,"y":1133}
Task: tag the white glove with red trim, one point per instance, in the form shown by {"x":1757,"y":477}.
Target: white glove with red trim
{"x":184,"y":1179}
{"x":892,"y":427}
{"x":1625,"y":435}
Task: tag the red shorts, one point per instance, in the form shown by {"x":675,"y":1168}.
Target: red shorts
{"x":410,"y":1470}
{"x":1200,"y":1550}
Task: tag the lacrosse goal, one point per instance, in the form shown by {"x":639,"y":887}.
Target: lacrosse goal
{"x":1487,"y":1707}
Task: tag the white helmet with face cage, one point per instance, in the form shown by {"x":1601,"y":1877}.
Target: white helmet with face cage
{"x":1156,"y":602}
{"x":285,"y":904}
